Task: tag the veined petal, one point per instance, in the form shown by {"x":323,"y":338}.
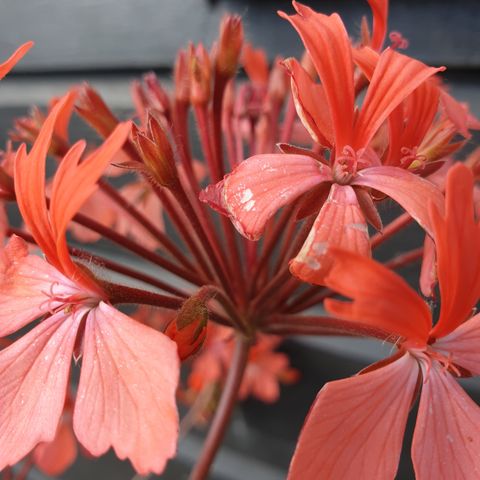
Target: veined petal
{"x":395,"y":77}
{"x":461,"y":345}
{"x":355,"y":428}
{"x":340,"y":223}
{"x":310,"y":103}
{"x":413,"y":193}
{"x":327,"y":42}
{"x":14,"y":58}
{"x":457,"y":237}
{"x":29,"y":176}
{"x":262,"y":184}
{"x":33,"y":383}
{"x":29,"y":287}
{"x":446,"y":442}
{"x":380,"y":297}
{"x":126,"y":395}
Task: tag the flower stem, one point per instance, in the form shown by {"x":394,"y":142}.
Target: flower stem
{"x":224,"y":411}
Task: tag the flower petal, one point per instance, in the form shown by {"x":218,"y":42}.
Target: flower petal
{"x":355,"y":427}
{"x":410,"y":191}
{"x":457,"y":237}
{"x":395,"y":77}
{"x":340,"y":223}
{"x":446,"y":442}
{"x":461,"y":345}
{"x":380,"y":17}
{"x":33,"y":383}
{"x":16,"y":56}
{"x":310,"y":103}
{"x":380,"y":297}
{"x":29,"y":176}
{"x":327,"y":42}
{"x":262,"y":184}
{"x":126,"y":395}
{"x":28,"y":286}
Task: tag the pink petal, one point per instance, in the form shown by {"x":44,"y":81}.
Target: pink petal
{"x":126,"y":395}
{"x":262,"y":184}
{"x":27,"y":287}
{"x":446,"y":443}
{"x":355,"y":427}
{"x":412,"y":192}
{"x":461,"y":346}
{"x":340,"y":223}
{"x":33,"y":382}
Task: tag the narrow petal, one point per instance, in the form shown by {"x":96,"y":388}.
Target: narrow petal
{"x":428,"y":273}
{"x":16,"y":56}
{"x":380,"y":17}
{"x":310,"y":103}
{"x":262,"y":184}
{"x":327,"y":42}
{"x":33,"y":383}
{"x":355,"y":428}
{"x":126,"y":395}
{"x":457,"y":237}
{"x":413,"y":193}
{"x":340,"y":223}
{"x":395,"y":77}
{"x":380,"y":297}
{"x":29,"y":287}
{"x":446,"y":442}
{"x":29,"y":176}
{"x":74,"y":182}
{"x":461,"y":345}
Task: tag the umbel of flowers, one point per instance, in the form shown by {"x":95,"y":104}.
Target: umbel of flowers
{"x":295,"y":166}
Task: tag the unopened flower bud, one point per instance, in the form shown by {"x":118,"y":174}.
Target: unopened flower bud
{"x":156,"y":152}
{"x":158,"y":97}
{"x":229,"y":46}
{"x":91,"y":107}
{"x":182,"y":78}
{"x":189,"y":328}
{"x":200,"y":75}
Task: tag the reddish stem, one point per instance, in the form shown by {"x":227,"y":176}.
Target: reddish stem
{"x":224,"y":410}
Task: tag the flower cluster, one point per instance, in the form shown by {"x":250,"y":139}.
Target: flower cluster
{"x":325,"y":140}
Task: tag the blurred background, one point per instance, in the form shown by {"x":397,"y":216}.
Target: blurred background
{"x":110,"y":42}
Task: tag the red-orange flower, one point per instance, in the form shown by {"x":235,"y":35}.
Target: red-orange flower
{"x":355,"y":427}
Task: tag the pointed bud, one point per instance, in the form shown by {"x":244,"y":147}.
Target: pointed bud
{"x":229,"y":46}
{"x":200,"y":75}
{"x":158,"y":97}
{"x":156,"y":152}
{"x":189,"y":328}
{"x":182,"y":78}
{"x":91,"y":107}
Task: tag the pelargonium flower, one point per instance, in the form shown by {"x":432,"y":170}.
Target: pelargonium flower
{"x":355,"y":427}
{"x":344,"y":184}
{"x":129,"y":372}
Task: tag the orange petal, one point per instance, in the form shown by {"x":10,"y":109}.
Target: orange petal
{"x":340,"y":223}
{"x":33,"y":383}
{"x":395,"y":77}
{"x":380,"y":298}
{"x":16,"y":56}
{"x":262,"y":184}
{"x":446,"y":441}
{"x":327,"y":42}
{"x":457,"y":237}
{"x":355,"y":428}
{"x":380,"y":17}
{"x":126,"y":395}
